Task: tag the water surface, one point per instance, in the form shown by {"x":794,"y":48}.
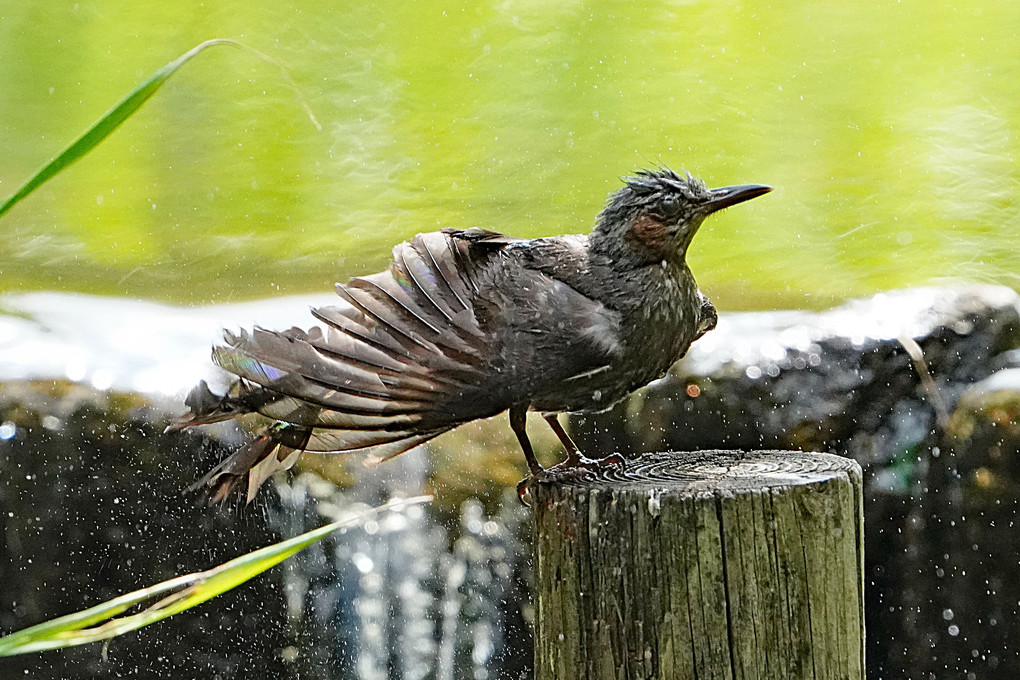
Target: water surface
{"x":889,"y":130}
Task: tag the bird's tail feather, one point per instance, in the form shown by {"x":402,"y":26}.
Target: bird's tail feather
{"x":275,"y":449}
{"x":206,"y":407}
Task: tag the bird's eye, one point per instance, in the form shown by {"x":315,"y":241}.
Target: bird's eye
{"x":670,"y":206}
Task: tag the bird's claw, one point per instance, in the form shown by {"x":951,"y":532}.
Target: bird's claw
{"x":578,"y":468}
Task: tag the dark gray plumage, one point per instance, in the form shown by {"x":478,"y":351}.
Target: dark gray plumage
{"x":467,"y":324}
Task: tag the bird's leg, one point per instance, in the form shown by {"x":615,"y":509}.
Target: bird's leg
{"x":574,"y":456}
{"x":518,"y":420}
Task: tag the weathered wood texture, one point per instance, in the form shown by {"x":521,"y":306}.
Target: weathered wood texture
{"x":714,"y":564}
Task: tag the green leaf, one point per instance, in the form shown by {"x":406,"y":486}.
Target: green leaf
{"x":123,"y":110}
{"x":177,"y":594}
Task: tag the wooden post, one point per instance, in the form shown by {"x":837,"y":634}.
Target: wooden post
{"x":713,"y":564}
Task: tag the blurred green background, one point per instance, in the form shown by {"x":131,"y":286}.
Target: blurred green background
{"x":890,"y":130}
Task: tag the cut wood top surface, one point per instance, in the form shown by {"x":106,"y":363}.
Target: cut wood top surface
{"x":693,"y":472}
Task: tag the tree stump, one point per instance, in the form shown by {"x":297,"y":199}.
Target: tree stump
{"x":713,"y":564}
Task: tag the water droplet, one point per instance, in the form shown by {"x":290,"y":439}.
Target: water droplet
{"x":362,"y":562}
{"x":653,"y":505}
{"x":8,"y":430}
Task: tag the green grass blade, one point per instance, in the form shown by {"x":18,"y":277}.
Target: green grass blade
{"x":178,"y":594}
{"x":103,"y":127}
{"x":123,"y":110}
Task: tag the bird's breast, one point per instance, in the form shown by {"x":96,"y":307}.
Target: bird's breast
{"x":659,"y":321}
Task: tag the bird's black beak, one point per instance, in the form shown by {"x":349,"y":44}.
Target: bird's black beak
{"x":724,"y":197}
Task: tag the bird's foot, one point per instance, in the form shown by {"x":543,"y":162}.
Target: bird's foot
{"x":578,"y":467}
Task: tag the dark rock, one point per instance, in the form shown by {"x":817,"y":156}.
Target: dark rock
{"x":958,"y":578}
{"x":90,"y":508}
{"x":982,"y":438}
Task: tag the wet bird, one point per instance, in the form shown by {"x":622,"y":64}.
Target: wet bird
{"x":466,"y":324}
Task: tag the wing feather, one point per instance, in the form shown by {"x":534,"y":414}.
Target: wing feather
{"x":378,"y":373}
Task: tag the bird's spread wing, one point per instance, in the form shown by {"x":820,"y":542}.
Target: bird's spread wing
{"x":407,"y":341}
